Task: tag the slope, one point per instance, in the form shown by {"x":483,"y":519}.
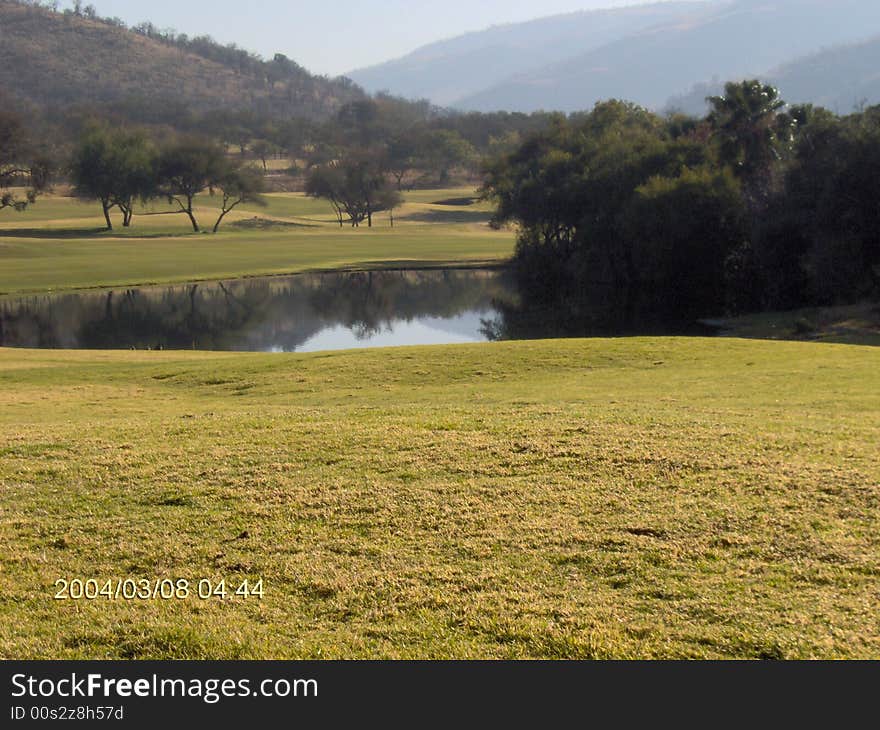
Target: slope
{"x":743,"y":38}
{"x":446,"y":71}
{"x":51,"y":59}
{"x":841,"y":79}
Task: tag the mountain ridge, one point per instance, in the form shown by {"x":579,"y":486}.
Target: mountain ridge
{"x":648,"y":64}
{"x":516,"y":47}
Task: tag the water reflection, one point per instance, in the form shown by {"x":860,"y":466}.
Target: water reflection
{"x":304,"y":313}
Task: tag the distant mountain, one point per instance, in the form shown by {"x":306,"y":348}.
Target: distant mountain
{"x":647,"y":56}
{"x":53,"y":59}
{"x":447,"y":71}
{"x":841,"y":79}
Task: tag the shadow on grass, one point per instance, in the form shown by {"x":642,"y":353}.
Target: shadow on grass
{"x":59,"y":233}
{"x":80,"y":233}
{"x":418,"y":265}
{"x":450,"y":216}
{"x":256,"y":223}
{"x":456,"y":201}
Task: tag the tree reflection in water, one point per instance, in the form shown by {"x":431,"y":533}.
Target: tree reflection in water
{"x":268,"y":314}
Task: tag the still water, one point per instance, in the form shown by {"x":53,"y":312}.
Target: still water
{"x":304,"y":313}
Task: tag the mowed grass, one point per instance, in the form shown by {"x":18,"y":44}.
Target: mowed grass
{"x":59,"y":244}
{"x":656,"y":498}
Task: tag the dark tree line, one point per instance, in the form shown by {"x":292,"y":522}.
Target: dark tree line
{"x":624,"y":215}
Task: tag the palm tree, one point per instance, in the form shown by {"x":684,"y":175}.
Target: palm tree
{"x":745,"y":121}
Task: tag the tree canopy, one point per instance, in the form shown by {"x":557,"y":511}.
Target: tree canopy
{"x":758,"y":205}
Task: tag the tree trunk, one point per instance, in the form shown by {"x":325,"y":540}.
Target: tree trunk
{"x":226,"y":208}
{"x":192,"y":218}
{"x":106,"y":208}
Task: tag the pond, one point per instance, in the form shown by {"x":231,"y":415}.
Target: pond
{"x":335,"y":311}
{"x":304,"y":313}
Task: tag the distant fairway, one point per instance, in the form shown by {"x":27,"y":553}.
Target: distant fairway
{"x":661,"y":498}
{"x":58,"y":243}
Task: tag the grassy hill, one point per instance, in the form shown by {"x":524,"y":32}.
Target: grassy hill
{"x":579,"y":499}
{"x":59,"y":59}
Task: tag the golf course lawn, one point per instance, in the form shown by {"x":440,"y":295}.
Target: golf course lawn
{"x":58,"y":243}
{"x":561,"y":499}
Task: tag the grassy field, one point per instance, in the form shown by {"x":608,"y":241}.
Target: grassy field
{"x":579,"y":499}
{"x":58,"y":243}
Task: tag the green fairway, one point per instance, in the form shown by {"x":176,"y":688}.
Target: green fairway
{"x":580,"y":499}
{"x":58,"y":243}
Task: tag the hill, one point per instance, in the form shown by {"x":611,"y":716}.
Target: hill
{"x":51,"y":59}
{"x":449,"y":70}
{"x":841,"y":79}
{"x":646,"y":56}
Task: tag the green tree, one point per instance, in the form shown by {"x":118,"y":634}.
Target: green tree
{"x":403,"y":154}
{"x":751,"y":134}
{"x":264,"y":149}
{"x":238,"y":185}
{"x":355,"y":185}
{"x":442,"y":150}
{"x":186,"y":168}
{"x":681,"y":231}
{"x":115,"y":167}
{"x":329,"y":183}
{"x":389,"y":198}
{"x":833,"y":189}
{"x":21,"y":178}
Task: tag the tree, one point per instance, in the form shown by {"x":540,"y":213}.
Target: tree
{"x":356,"y":186}
{"x":15,"y":169}
{"x":389,"y":198}
{"x":403,"y":155}
{"x":359,"y":123}
{"x":328,"y":182}
{"x":366,"y":177}
{"x":186,"y":168}
{"x":614,"y":213}
{"x":238,"y":185}
{"x":751,"y":133}
{"x":682,"y":230}
{"x":115,"y":167}
{"x":832,"y":193}
{"x":442,"y":150}
{"x":264,"y":149}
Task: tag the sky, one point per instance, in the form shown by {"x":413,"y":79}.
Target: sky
{"x":332,"y":37}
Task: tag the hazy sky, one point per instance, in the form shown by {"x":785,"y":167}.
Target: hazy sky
{"x":334,"y":36}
